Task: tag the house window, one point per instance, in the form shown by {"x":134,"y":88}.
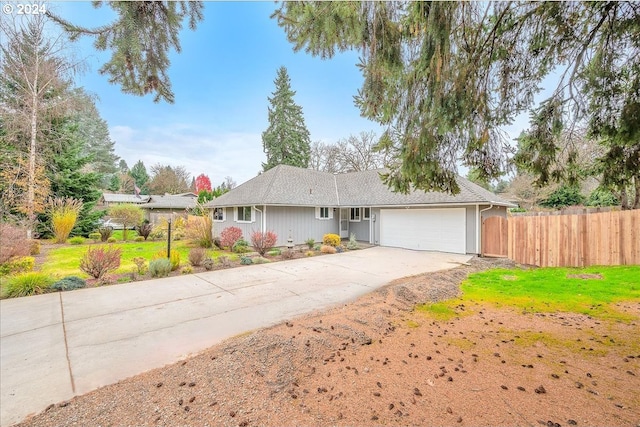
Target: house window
{"x":244,"y":214}
{"x":218,"y":214}
{"x":355,"y":214}
{"x":324,"y":213}
{"x":366,"y":213}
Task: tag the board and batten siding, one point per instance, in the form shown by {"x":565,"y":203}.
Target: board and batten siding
{"x":300,"y":223}
{"x":360,"y":229}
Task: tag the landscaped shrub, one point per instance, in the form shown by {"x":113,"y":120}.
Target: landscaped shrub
{"x":310,"y":242}
{"x":141,"y":264}
{"x":158,"y":233}
{"x":245,"y":260}
{"x":100,"y":260}
{"x":309,"y":253}
{"x":34,"y":248}
{"x":229,"y":236}
{"x":326,"y":249}
{"x":28,"y":284}
{"x":225,"y":261}
{"x":14,"y":242}
{"x":105,"y":233}
{"x":17,"y":265}
{"x":275,"y":252}
{"x":144,"y":230}
{"x":160,"y":267}
{"x":139,"y":239}
{"x":262,"y":242}
{"x":197,"y":256}
{"x":64,"y":213}
{"x":69,"y":283}
{"x":260,"y":260}
{"x":208,"y":264}
{"x":94,"y":236}
{"x":174,"y":258}
{"x":353,"y":243}
{"x":77,"y":240}
{"x":241,"y":246}
{"x":200,"y":230}
{"x":331,"y":240}
{"x":187,"y":269}
{"x":111,"y":240}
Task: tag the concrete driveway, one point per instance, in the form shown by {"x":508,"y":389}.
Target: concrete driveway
{"x":56,"y":346}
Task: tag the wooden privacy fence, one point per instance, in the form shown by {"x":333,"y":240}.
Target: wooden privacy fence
{"x":576,"y":240}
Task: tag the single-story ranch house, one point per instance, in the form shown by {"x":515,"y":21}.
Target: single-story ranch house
{"x":155,"y":206}
{"x":301,"y":203}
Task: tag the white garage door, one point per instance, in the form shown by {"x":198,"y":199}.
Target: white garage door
{"x":424,"y":229}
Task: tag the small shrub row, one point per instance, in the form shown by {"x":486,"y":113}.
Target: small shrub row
{"x":77,"y":240}
{"x":174,"y":258}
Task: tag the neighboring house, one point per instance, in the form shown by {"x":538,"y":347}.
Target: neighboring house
{"x":301,"y":203}
{"x":155,"y":206}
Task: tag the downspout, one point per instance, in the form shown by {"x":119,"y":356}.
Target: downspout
{"x":263,"y":219}
{"x":479,"y":227}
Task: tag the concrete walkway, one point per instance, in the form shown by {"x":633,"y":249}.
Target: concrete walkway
{"x":56,"y":346}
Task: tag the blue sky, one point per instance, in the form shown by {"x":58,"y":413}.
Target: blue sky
{"x":221,"y":81}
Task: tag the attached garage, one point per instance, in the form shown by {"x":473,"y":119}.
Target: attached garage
{"x":424,"y":229}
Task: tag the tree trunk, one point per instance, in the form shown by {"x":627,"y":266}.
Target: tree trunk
{"x":636,"y":201}
{"x":31,"y":215}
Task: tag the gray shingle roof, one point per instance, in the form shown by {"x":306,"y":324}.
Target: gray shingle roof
{"x":124,"y":198}
{"x":169,"y":201}
{"x":291,"y":186}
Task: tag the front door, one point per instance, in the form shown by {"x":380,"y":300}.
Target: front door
{"x":344,"y":223}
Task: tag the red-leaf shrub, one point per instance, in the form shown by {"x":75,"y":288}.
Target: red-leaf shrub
{"x":262,"y":242}
{"x":229,"y":236}
{"x":13,"y":242}
{"x":100,"y":260}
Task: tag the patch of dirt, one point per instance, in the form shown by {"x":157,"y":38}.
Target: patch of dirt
{"x":377,"y":361}
{"x":584,"y":276}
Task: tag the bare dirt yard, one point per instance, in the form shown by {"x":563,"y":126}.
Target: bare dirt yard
{"x":377,"y":361}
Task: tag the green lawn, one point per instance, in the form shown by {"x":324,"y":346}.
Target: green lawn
{"x":65,"y":260}
{"x":592,"y":290}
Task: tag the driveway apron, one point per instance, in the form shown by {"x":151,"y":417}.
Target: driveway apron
{"x":56,"y":346}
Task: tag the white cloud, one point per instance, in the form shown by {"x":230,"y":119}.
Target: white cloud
{"x":217,"y":155}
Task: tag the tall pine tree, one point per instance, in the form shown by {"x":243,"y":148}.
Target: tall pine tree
{"x":140,"y":176}
{"x":286,"y":140}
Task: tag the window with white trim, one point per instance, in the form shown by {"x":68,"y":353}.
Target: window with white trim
{"x":218,"y":214}
{"x":324,"y":212}
{"x":366,"y":213}
{"x":355,"y":215}
{"x":244,"y":214}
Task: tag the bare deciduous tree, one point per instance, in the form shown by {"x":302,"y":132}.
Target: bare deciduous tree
{"x":34,"y":90}
{"x":355,"y":153}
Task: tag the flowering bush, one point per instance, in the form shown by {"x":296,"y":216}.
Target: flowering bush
{"x":229,"y":236}
{"x":14,"y":242}
{"x":331,"y":240}
{"x":100,"y":260}
{"x":262,"y":242}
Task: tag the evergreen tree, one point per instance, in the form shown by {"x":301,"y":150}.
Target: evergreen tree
{"x":445,"y":77}
{"x":140,"y":39}
{"x":286,"y":140}
{"x":69,"y":177}
{"x":140,"y":176}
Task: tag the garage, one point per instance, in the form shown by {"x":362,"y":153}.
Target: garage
{"x":424,"y":229}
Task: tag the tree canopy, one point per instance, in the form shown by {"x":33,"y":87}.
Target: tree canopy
{"x":445,"y":77}
{"x":140,"y":40}
{"x":286,"y":140}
